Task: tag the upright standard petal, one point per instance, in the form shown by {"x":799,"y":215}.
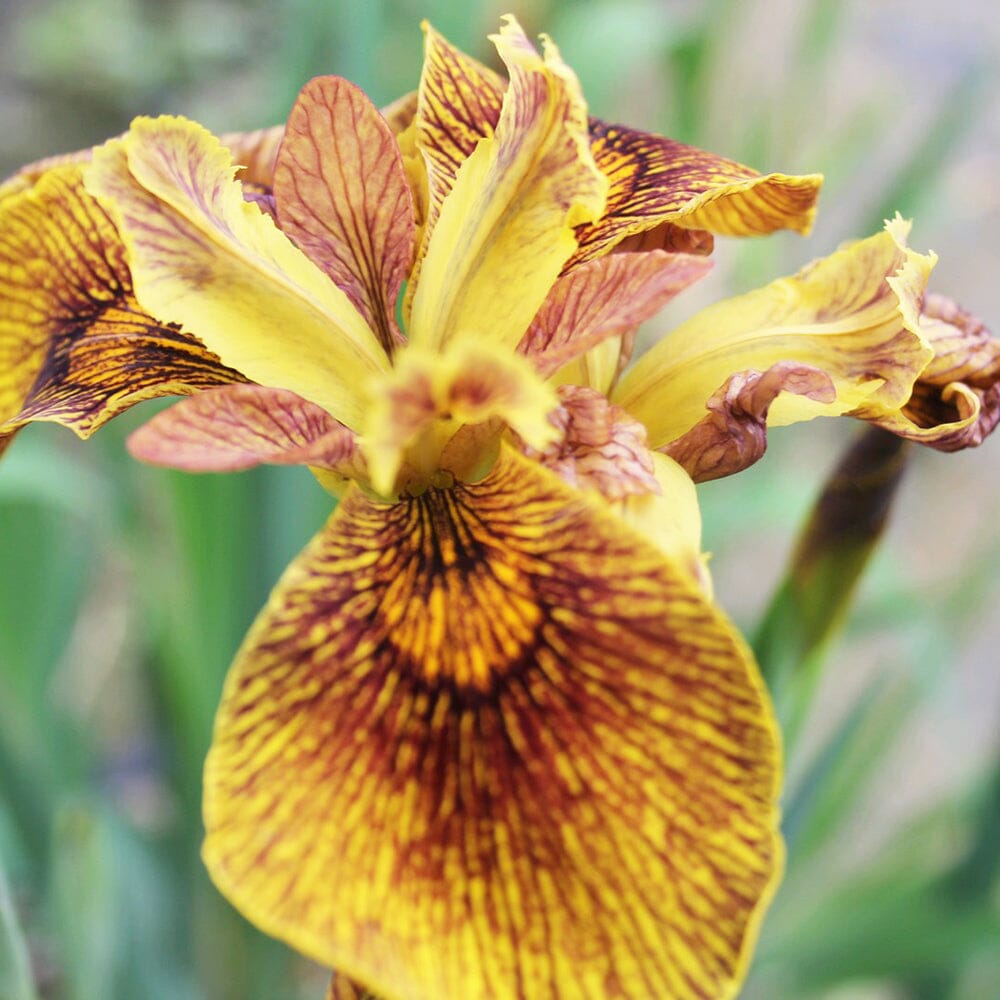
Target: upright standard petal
{"x":489,"y":743}
{"x":506,"y":228}
{"x":656,"y":181}
{"x":201,"y":255}
{"x":75,"y":346}
{"x":342,"y":195}
{"x":853,"y":316}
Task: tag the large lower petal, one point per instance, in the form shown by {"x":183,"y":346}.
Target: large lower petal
{"x":488,"y":743}
{"x":660,"y":183}
{"x":75,"y":347}
{"x":342,"y":195}
{"x":854,"y":316}
{"x":506,"y":227}
{"x":202,"y":256}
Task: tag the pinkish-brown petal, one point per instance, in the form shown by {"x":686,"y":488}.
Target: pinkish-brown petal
{"x":604,"y":298}
{"x":240,"y":426}
{"x":342,"y":195}
{"x":733,"y":434}
{"x":956,"y":400}
{"x":600,"y":446}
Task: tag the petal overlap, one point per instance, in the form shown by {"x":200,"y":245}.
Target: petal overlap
{"x":854,"y":316}
{"x":452,"y":758}
{"x":201,"y":255}
{"x":75,"y":346}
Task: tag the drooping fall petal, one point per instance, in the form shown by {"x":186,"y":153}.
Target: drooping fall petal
{"x":238,"y":427}
{"x":488,"y":740}
{"x":604,"y":298}
{"x":733,"y":434}
{"x":656,"y":181}
{"x":343,"y":197}
{"x":506,"y":227}
{"x":427,"y":397}
{"x":956,"y":401}
{"x":75,"y":347}
{"x":201,"y":255}
{"x":853,"y":315}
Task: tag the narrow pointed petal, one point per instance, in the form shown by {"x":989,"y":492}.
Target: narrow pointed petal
{"x":458,"y":104}
{"x":343,"y":197}
{"x":733,"y":434}
{"x":75,"y":347}
{"x":427,"y":397}
{"x":489,"y":743}
{"x":506,"y":228}
{"x":204,"y":257}
{"x":956,"y":401}
{"x":656,"y":180}
{"x":238,"y":427}
{"x":853,"y":315}
{"x":600,"y":447}
{"x":604,"y":298}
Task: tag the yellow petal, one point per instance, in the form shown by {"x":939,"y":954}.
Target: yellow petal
{"x":238,"y":427}
{"x":75,"y":347}
{"x":487,"y":741}
{"x":342,"y":196}
{"x":419,"y":406}
{"x":853,"y":315}
{"x":604,"y":298}
{"x":656,"y":180}
{"x":506,"y":228}
{"x":202,"y":256}
{"x":341,"y":988}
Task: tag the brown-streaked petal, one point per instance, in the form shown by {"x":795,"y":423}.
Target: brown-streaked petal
{"x":241,"y":426}
{"x":200,"y":255}
{"x":458,"y":104}
{"x":956,"y":401}
{"x":600,"y":446}
{"x":656,"y":180}
{"x":343,"y":197}
{"x":853,"y":315}
{"x":341,"y":988}
{"x":506,"y":227}
{"x":488,"y":742}
{"x":255,"y":153}
{"x":604,"y":298}
{"x":75,"y":347}
{"x":733,"y":434}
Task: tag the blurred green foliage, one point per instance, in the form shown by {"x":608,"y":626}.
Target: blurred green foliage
{"x":124,"y":591}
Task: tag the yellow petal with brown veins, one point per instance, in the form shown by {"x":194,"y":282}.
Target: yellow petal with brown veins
{"x":75,"y":346}
{"x":853,"y":316}
{"x":506,"y":227}
{"x":489,"y":743}
{"x":202,"y":256}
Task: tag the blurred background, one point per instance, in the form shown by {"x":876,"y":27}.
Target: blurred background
{"x":125,"y":590}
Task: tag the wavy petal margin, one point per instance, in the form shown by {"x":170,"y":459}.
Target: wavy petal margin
{"x":506,"y":228}
{"x":956,"y":401}
{"x":343,"y":197}
{"x":654,"y":180}
{"x":487,"y":739}
{"x":853,"y":315}
{"x":202,"y":256}
{"x":75,"y":347}
{"x":239,"y":427}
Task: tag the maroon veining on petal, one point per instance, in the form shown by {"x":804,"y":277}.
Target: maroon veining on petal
{"x":733,"y":434}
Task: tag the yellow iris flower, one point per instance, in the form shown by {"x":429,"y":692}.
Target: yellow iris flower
{"x":491,"y":737}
